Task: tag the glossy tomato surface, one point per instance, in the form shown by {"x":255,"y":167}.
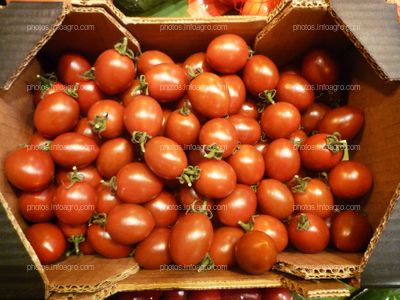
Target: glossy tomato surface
{"x":37,"y":206}
{"x":71,"y":67}
{"x":248,"y":129}
{"x":222,"y":249}
{"x":164,"y":209}
{"x":260,"y":74}
{"x":150,"y":58}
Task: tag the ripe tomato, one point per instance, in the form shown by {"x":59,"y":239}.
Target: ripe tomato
{"x":351,"y":231}
{"x":209,"y":95}
{"x":282,"y":160}
{"x":48,"y":242}
{"x":222,"y":250}
{"x":260,"y":74}
{"x":219,"y":138}
{"x":295,"y":90}
{"x":129,"y":95}
{"x":143,"y":114}
{"x":248,"y":164}
{"x":275,"y":199}
{"x":74,"y":205}
{"x":312,"y":196}
{"x":129,"y":223}
{"x":152,"y":252}
{"x":277,"y":294}
{"x":350,"y":180}
{"x":88,"y":94}
{"x":73,"y":149}
{"x":347,"y":120}
{"x":88,"y":175}
{"x":72,"y":230}
{"x":47,"y":86}
{"x":248,"y":129}
{"x":321,"y":152}
{"x":165,"y":157}
{"x":271,"y":226}
{"x":239,"y":206}
{"x":150,"y":58}
{"x":217,"y":179}
{"x":104,"y":245}
{"x":106,"y":199}
{"x":71,"y":67}
{"x":39,"y":141}
{"x":227,"y":53}
{"x":258,"y":7}
{"x":166,"y":82}
{"x":197,"y":155}
{"x":319,"y":68}
{"x":237,"y":92}
{"x":164,"y":209}
{"x":29,"y":170}
{"x":197,"y":62}
{"x":175,"y":295}
{"x":255,"y":252}
{"x":312,"y":116}
{"x":241,"y":294}
{"x":86,"y":248}
{"x":249,"y":109}
{"x":190,"y":239}
{"x":113,"y":155}
{"x":114,"y":69}
{"x":298,"y":137}
{"x":36,"y":206}
{"x":182,"y":126}
{"x":137,"y":184}
{"x":205,"y":295}
{"x":56,"y":114}
{"x":106,"y":118}
{"x":308,"y":233}
{"x":280,"y":119}
{"x":187,"y":195}
{"x":83,"y":127}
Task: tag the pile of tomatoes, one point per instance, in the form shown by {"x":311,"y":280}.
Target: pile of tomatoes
{"x":216,"y":161}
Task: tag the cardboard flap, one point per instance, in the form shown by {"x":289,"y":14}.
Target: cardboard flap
{"x":372,"y":26}
{"x":22,"y":27}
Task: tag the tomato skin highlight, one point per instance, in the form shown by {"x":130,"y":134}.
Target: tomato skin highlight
{"x":313,"y":116}
{"x":319,"y":68}
{"x":164,"y":209}
{"x":248,"y":129}
{"x":222,"y":249}
{"x":150,"y":58}
{"x":71,"y":67}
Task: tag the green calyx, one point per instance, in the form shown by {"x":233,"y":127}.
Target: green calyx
{"x":200,"y":209}
{"x":99,"y":124}
{"x":122,"y":48}
{"x":266,"y":98}
{"x":141,"y":88}
{"x":45,"y":82}
{"x":74,"y":176}
{"x":89,"y":75}
{"x":300,"y":184}
{"x":111,"y":184}
{"x":99,"y":219}
{"x":335,"y":145}
{"x":303,"y":223}
{"x":213,"y":151}
{"x":75,"y":240}
{"x":249,"y":226}
{"x":185,"y":110}
{"x":193,"y":73}
{"x":141,"y":138}
{"x":189,"y":175}
{"x":206,"y":264}
{"x":73,"y":92}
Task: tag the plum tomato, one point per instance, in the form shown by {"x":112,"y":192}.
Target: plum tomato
{"x":88,"y":94}
{"x":319,"y":68}
{"x":164,"y":209}
{"x":237,"y":92}
{"x":312,"y":116}
{"x":150,"y":58}
{"x":222,"y":250}
{"x":182,"y":126}
{"x":71,"y":68}
{"x":37,"y":206}
{"x":248,"y":129}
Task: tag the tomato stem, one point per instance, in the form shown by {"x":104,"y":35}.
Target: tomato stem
{"x":141,"y":138}
{"x":45,"y":146}
{"x":141,"y":87}
{"x":213,"y":151}
{"x":189,"y":175}
{"x":75,"y":240}
{"x":254,"y":187}
{"x":112,"y":184}
{"x":88,"y":75}
{"x":98,"y":218}
{"x":323,"y":176}
{"x":193,"y":73}
{"x":249,"y":226}
{"x":250,"y":53}
{"x":73,"y":92}
{"x":99,"y":124}
{"x":206,"y":264}
{"x":300,"y":184}
{"x":303,"y":223}
{"x":45,"y":82}
{"x":237,"y":148}
{"x":122,"y":48}
{"x":74,"y":176}
{"x":185,"y":110}
{"x":334,"y":143}
{"x":266,"y":98}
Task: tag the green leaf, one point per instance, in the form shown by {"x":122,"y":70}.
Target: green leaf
{"x":378,"y":294}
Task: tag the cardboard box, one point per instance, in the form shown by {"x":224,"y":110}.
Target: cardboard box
{"x":286,"y":34}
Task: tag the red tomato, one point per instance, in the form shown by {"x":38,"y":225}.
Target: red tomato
{"x":227,"y":53}
{"x":47,"y":85}
{"x":239,"y":206}
{"x":197,"y":155}
{"x":37,"y":140}
{"x":137,"y":184}
{"x":113,"y":155}
{"x":277,"y":294}
{"x":36,"y":206}
{"x":295,"y":90}
{"x":222,"y":250}
{"x":165,"y":157}
{"x":106,"y":118}
{"x":73,"y":149}
{"x":249,"y":109}
{"x":190,"y":239}
{"x":83,"y":127}
{"x":217,"y":179}
{"x":219,"y":138}
{"x":129,"y":95}
{"x":129,"y":223}
{"x":106,"y":199}
{"x":56,"y":114}
{"x":175,"y":295}
{"x":312,"y":196}
{"x":143,"y":114}
{"x":205,"y":295}
{"x":241,"y":294}
{"x":313,"y":115}
{"x":88,"y":174}
{"x":237,"y":92}
{"x":280,"y":119}
{"x":72,"y":230}
{"x":321,"y":152}
{"x":104,"y":245}
{"x":183,"y":126}
{"x":114,"y":69}
{"x":347,"y":120}
{"x":248,"y":129}
{"x":166,"y":82}
{"x":319,"y":68}
{"x":308,"y":233}
{"x":88,"y":94}
{"x":351,"y":231}
{"x":255,"y":252}
{"x":260,"y":74}
{"x":86,"y":248}
{"x":197,"y":62}
{"x":75,"y":204}
{"x":298,"y":137}
{"x":282,"y":160}
{"x":350,"y":180}
{"x":166,"y":114}
{"x":187,"y":195}
{"x":258,"y":7}
{"x":248,"y":164}
{"x":48,"y":242}
{"x":164,"y":209}
{"x":29,"y":170}
{"x":275,"y":199}
{"x":209,"y":95}
{"x":71,"y":67}
{"x":152,"y":252}
{"x":150,"y":58}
